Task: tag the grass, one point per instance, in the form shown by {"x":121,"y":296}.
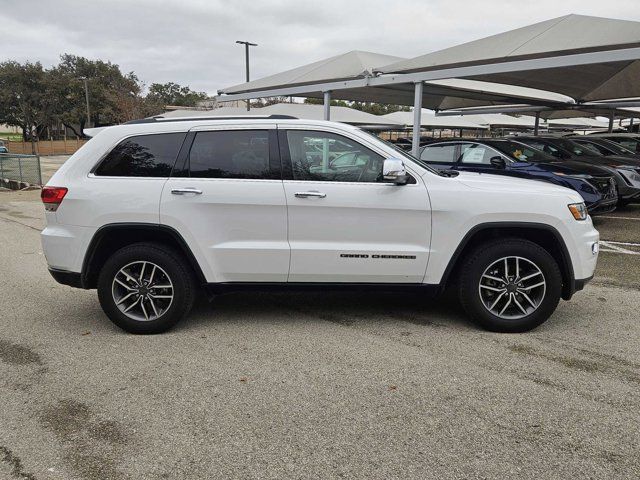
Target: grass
{"x":14,"y":137}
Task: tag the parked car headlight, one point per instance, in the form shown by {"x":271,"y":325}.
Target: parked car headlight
{"x":578,"y":210}
{"x":580,"y":176}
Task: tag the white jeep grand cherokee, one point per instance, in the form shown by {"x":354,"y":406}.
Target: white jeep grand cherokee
{"x":148,"y":212}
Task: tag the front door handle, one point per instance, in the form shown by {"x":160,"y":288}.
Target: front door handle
{"x":310,"y":194}
{"x":182,"y":191}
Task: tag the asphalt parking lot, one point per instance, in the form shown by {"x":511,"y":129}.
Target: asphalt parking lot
{"x":315,"y":385}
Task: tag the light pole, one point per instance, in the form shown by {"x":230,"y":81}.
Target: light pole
{"x":246,"y":62}
{"x":86,"y":97}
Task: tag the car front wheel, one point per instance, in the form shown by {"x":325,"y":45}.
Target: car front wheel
{"x":510,"y":285}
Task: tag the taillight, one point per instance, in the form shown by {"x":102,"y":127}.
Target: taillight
{"x":52,"y":197}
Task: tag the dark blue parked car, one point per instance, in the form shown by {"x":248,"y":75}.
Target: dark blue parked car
{"x":507,"y":157}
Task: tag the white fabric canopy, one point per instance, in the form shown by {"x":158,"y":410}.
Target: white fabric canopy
{"x":568,"y":35}
{"x":350,"y":65}
{"x":298,"y":110}
{"x":429,"y":120}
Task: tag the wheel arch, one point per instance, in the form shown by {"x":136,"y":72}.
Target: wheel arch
{"x":111,"y":237}
{"x":542,"y":234}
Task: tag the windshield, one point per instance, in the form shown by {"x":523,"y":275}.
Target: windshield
{"x":630,"y":143}
{"x":615,"y":148}
{"x":404,"y":154}
{"x":519,"y":151}
{"x":589,"y":148}
{"x":573,"y":147}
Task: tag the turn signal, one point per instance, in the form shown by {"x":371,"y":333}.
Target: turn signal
{"x":578,"y":210}
{"x":52,"y":197}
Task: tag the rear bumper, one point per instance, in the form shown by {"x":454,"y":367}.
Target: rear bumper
{"x":72,"y":279}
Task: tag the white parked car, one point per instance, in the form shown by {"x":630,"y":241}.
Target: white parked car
{"x":150,"y":211}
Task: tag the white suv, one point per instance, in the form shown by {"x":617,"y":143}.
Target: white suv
{"x":148,"y":212}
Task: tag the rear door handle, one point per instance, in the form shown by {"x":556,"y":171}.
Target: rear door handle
{"x":183,"y":191}
{"x":310,"y":194}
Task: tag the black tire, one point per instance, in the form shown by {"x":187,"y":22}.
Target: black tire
{"x":481,"y":258}
{"x":171,"y":264}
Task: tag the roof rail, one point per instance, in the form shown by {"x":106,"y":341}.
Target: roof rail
{"x":217,"y":117}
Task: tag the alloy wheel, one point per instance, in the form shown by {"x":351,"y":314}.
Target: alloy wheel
{"x":512,"y":287}
{"x":142,"y":291}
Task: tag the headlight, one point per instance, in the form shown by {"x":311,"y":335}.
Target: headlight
{"x":578,"y":210}
{"x":580,"y":176}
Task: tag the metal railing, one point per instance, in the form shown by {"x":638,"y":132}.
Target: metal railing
{"x":20,"y":168}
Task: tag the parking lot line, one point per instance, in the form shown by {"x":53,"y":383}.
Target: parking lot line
{"x":615,"y":247}
{"x":619,"y":218}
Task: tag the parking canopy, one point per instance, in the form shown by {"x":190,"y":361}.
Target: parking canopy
{"x":347,"y":66}
{"x":609,"y":68}
{"x":347,"y":77}
{"x":429,"y":120}
{"x":298,"y":110}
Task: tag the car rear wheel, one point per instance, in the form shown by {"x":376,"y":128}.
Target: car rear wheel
{"x":146,"y":288}
{"x":510,"y":285}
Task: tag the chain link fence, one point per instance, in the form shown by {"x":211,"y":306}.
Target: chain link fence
{"x":17,"y":170}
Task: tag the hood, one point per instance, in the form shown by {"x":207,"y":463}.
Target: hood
{"x":503,"y":183}
{"x":615,"y":160}
{"x":578,"y":167}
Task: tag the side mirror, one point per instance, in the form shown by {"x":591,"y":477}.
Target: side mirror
{"x":393,"y":171}
{"x":498,"y":162}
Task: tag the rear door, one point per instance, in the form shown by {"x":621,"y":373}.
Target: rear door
{"x":226,"y":199}
{"x":345,"y":224}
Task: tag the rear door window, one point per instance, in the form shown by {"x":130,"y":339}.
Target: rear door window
{"x":231,"y":154}
{"x":142,"y":156}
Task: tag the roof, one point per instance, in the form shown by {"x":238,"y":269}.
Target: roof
{"x":437,"y":94}
{"x":603,"y":78}
{"x":298,"y":110}
{"x":498,"y":120}
{"x":350,"y":65}
{"x":429,"y":120}
{"x":558,"y":36}
{"x":577,"y":123}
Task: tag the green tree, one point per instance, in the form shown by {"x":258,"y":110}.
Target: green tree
{"x":174,"y":94}
{"x":369,"y":107}
{"x":27,"y":99}
{"x":113,"y":96}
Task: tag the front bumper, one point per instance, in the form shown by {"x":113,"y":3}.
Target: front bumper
{"x":603,"y":206}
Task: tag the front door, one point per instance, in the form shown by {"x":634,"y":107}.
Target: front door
{"x":345,"y":224}
{"x":228,"y":202}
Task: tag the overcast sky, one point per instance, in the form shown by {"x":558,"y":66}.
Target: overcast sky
{"x":192,"y":42}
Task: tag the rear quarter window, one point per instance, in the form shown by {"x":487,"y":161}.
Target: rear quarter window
{"x":142,"y":156}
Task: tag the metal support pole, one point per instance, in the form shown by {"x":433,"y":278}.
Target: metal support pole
{"x":327,"y":105}
{"x":246,"y":64}
{"x":631,"y":124}
{"x":611,"y":116}
{"x":39,"y":170}
{"x":20,"y":167}
{"x":536,"y":126}
{"x":417,"y":118}
{"x":86,"y":97}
